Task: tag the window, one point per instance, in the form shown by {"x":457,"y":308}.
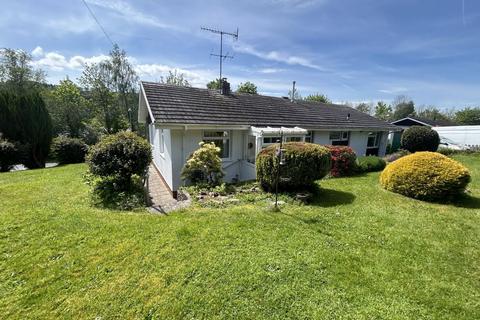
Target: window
{"x":309,"y":137}
{"x":373,"y":139}
{"x":270,"y":140}
{"x":161,"y":141}
{"x":339,"y":138}
{"x":293,"y":139}
{"x":221,"y":140}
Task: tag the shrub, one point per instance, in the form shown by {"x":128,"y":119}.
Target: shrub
{"x":370,"y":164}
{"x":204,"y":166}
{"x":117,"y":166}
{"x":343,"y":161}
{"x":425,"y":176}
{"x":418,"y":138}
{"x":397,"y":155}
{"x":452,"y":152}
{"x":304,"y":164}
{"x":108,"y":193}
{"x":9,"y":155}
{"x":122,"y":155}
{"x":69,"y":150}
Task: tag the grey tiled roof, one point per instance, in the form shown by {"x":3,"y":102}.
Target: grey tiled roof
{"x":186,"y":105}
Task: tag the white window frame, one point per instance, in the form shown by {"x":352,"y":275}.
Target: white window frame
{"x":309,"y":136}
{"x":273,"y":140}
{"x":226,"y":139}
{"x":289,"y":138}
{"x":377,"y":136}
{"x":343,"y":136}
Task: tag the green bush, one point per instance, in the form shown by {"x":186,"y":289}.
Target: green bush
{"x":370,"y":164}
{"x":418,"y":138}
{"x":426,"y":176}
{"x":122,"y":154}
{"x":304,"y":164}
{"x":204,"y":166}
{"x":343,"y":161}
{"x":108,"y":193}
{"x":9,"y":155}
{"x":69,"y":150}
{"x":117,"y":165}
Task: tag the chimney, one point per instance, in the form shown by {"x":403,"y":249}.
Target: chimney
{"x":225,"y":86}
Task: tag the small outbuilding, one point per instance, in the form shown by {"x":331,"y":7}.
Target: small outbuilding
{"x":408,"y":122}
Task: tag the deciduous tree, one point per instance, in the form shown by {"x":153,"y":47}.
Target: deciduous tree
{"x":318,"y":97}
{"x":16,"y":71}
{"x":68,"y":109}
{"x":214,"y":84}
{"x":247,"y":87}
{"x":176,"y":78}
{"x":383,"y":111}
{"x":468,"y":116}
{"x":404,"y":107}
{"x":364,"y":107}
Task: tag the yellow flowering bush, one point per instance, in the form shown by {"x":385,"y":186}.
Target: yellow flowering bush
{"x":204,"y":165}
{"x":425,"y":176}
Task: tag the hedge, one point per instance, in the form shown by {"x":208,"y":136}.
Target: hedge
{"x":304,"y":164}
{"x":370,"y":164}
{"x":69,"y":150}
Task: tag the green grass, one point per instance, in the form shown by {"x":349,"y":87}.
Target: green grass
{"x":358,"y":253}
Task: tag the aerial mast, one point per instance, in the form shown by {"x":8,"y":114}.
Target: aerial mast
{"x":221,"y":56}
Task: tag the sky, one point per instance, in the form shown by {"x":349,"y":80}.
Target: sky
{"x":350,"y":50}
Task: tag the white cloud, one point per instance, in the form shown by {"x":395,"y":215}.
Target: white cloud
{"x":270,"y":70}
{"x":277,"y":57}
{"x":71,"y":24}
{"x":53,"y":61}
{"x":196,"y":77}
{"x":56,"y":62}
{"x":129,"y":13}
{"x":394,"y":90}
{"x":37,"y":52}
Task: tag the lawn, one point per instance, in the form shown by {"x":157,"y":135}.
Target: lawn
{"x":358,"y":252}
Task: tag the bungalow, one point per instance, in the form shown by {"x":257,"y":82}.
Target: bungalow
{"x":178,"y":118}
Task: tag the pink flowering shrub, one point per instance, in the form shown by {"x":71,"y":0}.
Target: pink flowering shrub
{"x":343,"y":161}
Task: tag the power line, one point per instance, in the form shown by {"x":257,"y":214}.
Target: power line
{"x":98,"y":22}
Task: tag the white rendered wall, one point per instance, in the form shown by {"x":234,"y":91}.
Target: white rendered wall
{"x":358,"y":142}
{"x":163,"y":161}
{"x":321,"y":137}
{"x":185,"y":142}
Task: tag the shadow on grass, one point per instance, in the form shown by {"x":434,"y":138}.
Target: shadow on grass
{"x":466,"y":201}
{"x":331,"y":198}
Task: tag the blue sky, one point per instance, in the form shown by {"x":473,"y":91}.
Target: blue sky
{"x":351,"y":50}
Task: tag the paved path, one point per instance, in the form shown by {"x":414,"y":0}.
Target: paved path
{"x":160,"y":196}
